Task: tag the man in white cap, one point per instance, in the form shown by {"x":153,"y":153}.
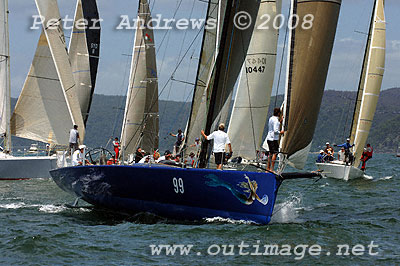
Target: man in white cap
{"x":79,"y":156}
{"x":220,"y":140}
{"x":328,"y":149}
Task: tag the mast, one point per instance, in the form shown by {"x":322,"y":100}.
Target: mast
{"x":141,"y":121}
{"x":84,"y":51}
{"x":372,"y":79}
{"x":5,"y":90}
{"x":232,"y":49}
{"x":306,"y":75}
{"x":253,"y":95}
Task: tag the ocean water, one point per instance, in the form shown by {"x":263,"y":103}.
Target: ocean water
{"x":328,"y":222}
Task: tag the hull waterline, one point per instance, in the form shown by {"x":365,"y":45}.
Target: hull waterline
{"x":176,"y":193}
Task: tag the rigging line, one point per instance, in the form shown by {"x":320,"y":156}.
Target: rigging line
{"x":173,"y":72}
{"x":281,"y":65}
{"x":176,"y":11}
{"x":180,"y":53}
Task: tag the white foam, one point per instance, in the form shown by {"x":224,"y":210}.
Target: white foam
{"x":287,"y":212}
{"x":368,"y":177}
{"x":386,"y":178}
{"x":226,"y":220}
{"x":51,"y":208}
{"x":14,"y":206}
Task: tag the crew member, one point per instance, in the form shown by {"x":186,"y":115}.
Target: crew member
{"x":79,"y":156}
{"x":179,"y":140}
{"x":73,"y":139}
{"x":220,"y":140}
{"x":367,"y":154}
{"x":348,"y":155}
{"x":117,"y":146}
{"x":274,"y":132}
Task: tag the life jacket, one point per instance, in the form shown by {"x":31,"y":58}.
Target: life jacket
{"x":369,"y":152}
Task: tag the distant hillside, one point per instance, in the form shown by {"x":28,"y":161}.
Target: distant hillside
{"x":333,"y":125}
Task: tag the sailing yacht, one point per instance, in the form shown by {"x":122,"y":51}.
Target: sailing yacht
{"x":183,"y":193}
{"x":48,"y":105}
{"x":367,"y":97}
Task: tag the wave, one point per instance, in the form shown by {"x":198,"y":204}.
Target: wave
{"x":226,"y":220}
{"x":288,"y":211}
{"x":13,"y":206}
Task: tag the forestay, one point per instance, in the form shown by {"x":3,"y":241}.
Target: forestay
{"x":84,"y":49}
{"x":311,"y":40}
{"x":253,"y":95}
{"x":141,"y":120}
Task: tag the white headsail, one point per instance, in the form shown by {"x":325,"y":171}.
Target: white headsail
{"x":370,"y":81}
{"x":52,"y":26}
{"x":253,"y":95}
{"x":84,"y":49}
{"x":141,"y":121}
{"x":5,"y":88}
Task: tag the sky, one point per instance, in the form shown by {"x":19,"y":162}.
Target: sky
{"x":116,"y":45}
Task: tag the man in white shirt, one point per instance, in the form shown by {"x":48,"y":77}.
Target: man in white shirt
{"x":220,"y":140}
{"x":78,"y":156}
{"x":274,"y":132}
{"x":73,"y":139}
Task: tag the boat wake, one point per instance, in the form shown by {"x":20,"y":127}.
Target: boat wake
{"x":367,"y":177}
{"x":46,"y":208}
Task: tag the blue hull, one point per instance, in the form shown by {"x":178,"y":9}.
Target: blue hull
{"x":176,"y":193}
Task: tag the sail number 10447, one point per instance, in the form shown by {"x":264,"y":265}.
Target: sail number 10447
{"x":178,"y":185}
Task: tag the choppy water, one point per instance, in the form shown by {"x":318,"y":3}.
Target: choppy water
{"x":38,"y":229}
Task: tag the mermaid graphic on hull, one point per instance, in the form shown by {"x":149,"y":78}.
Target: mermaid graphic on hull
{"x":249,"y":194}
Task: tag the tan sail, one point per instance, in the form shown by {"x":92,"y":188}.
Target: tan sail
{"x":253,"y":95}
{"x":48,"y":9}
{"x":371,"y":80}
{"x":5,"y":84}
{"x":308,"y":61}
{"x":42,"y":112}
{"x":141,"y":122}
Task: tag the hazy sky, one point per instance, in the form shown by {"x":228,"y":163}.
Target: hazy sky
{"x":116,"y":45}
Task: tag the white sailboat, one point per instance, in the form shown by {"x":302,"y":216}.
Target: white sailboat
{"x":367,"y":97}
{"x":250,"y":109}
{"x":47,"y":107}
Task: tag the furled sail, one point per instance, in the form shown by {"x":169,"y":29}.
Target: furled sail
{"x":370,"y":80}
{"x":48,"y":9}
{"x":84,"y":49}
{"x":141,"y":120}
{"x":253,"y":95}
{"x":232,"y":49}
{"x":208,"y":53}
{"x":5,"y":87}
{"x":42,"y":112}
{"x":311,"y":40}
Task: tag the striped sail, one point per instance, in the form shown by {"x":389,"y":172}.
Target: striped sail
{"x":141,"y":121}
{"x":5,"y":87}
{"x":232,"y":49}
{"x":370,"y":81}
{"x":48,"y":9}
{"x":42,"y":112}
{"x":211,"y":36}
{"x":84,"y":49}
{"x":310,"y":48}
{"x":253,"y":95}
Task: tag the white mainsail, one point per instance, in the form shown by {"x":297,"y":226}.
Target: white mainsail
{"x":84,"y":49}
{"x":141,"y":121}
{"x":253,"y":95}
{"x":42,"y":112}
{"x":371,"y":80}
{"x":49,"y":10}
{"x":5,"y":87}
{"x":306,"y":76}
